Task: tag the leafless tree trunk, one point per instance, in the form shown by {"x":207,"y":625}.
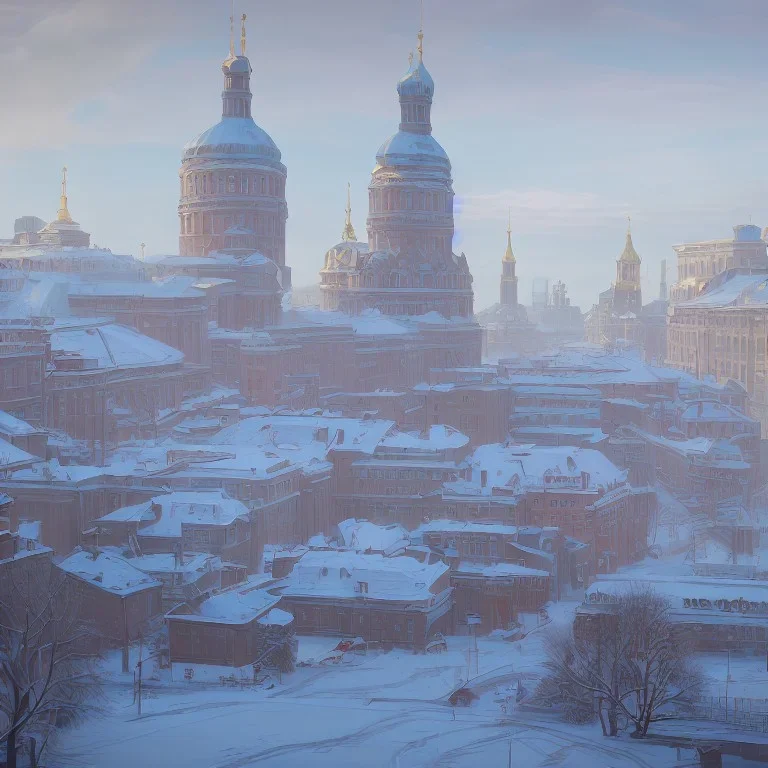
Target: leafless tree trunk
{"x":46,"y":674}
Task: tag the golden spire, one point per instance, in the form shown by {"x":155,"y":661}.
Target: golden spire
{"x":63,"y":209}
{"x":348,"y":235}
{"x":508,"y":255}
{"x":232,"y":32}
{"x":242,"y":35}
{"x":629,"y":253}
{"x":420,"y":46}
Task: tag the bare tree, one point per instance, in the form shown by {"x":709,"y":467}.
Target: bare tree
{"x":628,"y":662}
{"x":47,"y":678}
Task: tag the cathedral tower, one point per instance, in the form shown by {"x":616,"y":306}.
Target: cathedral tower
{"x":232,"y":178}
{"x":412,"y":269}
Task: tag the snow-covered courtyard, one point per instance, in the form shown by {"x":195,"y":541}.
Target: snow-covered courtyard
{"x":379,"y":709}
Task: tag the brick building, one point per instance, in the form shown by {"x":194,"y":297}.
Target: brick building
{"x":232,"y":633}
{"x":391,"y":600}
{"x":119,"y":600}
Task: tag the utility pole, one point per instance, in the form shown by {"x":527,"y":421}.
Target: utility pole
{"x":139,"y":665}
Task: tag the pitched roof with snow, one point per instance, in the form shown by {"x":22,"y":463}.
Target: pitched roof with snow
{"x":109,"y":572}
{"x":338,"y":574}
{"x":537,"y":466}
{"x":112,"y":346}
{"x":213,"y":508}
{"x":240,"y":604}
{"x":363,"y":535}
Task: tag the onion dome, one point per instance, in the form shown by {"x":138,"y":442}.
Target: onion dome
{"x":236,"y":133}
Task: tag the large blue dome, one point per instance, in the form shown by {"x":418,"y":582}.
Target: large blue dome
{"x":405,"y":148}
{"x":233,"y":136}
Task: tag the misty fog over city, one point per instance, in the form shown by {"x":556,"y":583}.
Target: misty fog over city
{"x":467,"y":470}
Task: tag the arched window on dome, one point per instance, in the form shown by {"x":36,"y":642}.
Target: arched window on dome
{"x":435,"y":201}
{"x":189,"y":184}
{"x":231,"y":184}
{"x":197,"y":191}
{"x":271,"y":185}
{"x":244,"y":185}
{"x":402,"y":200}
{"x":263,"y":185}
{"x":220,"y":185}
{"x":409,"y":201}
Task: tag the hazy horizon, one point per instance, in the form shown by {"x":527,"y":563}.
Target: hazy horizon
{"x":662,"y":107}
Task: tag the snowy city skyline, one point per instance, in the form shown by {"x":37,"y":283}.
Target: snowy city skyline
{"x":383,"y":385}
{"x":648,"y":93}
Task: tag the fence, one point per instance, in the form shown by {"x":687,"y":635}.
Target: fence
{"x":750,"y":714}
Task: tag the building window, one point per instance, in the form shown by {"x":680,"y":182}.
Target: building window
{"x":231,"y":184}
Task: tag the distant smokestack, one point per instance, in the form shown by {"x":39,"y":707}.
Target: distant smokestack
{"x":663,"y":281}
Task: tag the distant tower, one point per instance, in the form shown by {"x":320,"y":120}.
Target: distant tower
{"x":663,"y":282}
{"x":627,"y":295}
{"x":232,"y":179}
{"x":508,"y":276}
{"x":63,"y":231}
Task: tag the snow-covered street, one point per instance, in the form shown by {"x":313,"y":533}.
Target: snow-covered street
{"x":389,"y":707}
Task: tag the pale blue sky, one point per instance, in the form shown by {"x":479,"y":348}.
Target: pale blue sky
{"x":574,"y":112}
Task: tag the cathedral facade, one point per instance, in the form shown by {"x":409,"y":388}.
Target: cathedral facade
{"x":408,"y":267}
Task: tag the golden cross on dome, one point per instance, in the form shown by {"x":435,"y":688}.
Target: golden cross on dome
{"x":242,"y":35}
{"x":420,"y":46}
{"x":232,"y":31}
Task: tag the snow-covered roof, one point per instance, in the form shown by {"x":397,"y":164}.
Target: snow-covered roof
{"x":173,"y":286}
{"x":498,"y":571}
{"x":732,"y":289}
{"x":438,"y":437}
{"x":536,"y":466}
{"x":276,"y":617}
{"x":337,"y":574}
{"x":363,"y":535}
{"x":234,"y":136}
{"x":678,"y":588}
{"x":193,"y":508}
{"x":10,"y":425}
{"x":406,"y":148}
{"x":713,"y":410}
{"x":306,"y":436}
{"x":135,"y":513}
{"x":240,"y":604}
{"x":106,"y":571}
{"x":460,"y":526}
{"x":113,"y":346}
{"x":166,"y":562}
{"x":11,"y":456}
{"x":717,"y":450}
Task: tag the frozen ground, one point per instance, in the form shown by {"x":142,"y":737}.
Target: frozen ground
{"x":382,"y":709}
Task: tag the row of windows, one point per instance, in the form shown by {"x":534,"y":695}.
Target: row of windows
{"x":217,"y":225}
{"x":241,"y":183}
{"x":403,"y":200}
